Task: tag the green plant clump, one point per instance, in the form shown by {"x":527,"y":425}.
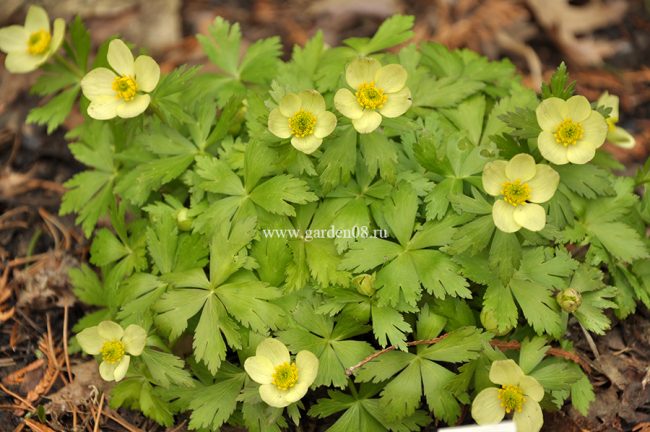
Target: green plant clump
{"x":363,"y":236}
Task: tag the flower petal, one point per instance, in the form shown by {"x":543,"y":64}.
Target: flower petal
{"x":36,"y":20}
{"x":147,"y":73}
{"x":273,"y":396}
{"x":274,"y":350}
{"x":134,"y":339}
{"x":530,"y":216}
{"x":295,"y":393}
{"x":361,"y":70}
{"x":397,"y":103}
{"x":133,"y":107}
{"x":621,"y":138}
{"x":120,"y":58}
{"x":530,"y":419}
{"x":505,"y":372}
{"x":325,"y":124}
{"x":307,"y":144}
{"x":279,"y":124}
{"x":22,"y":62}
{"x":110,"y":330}
{"x":103,"y":107}
{"x":502,"y":215}
{"x":290,"y":104}
{"x":581,"y":152}
{"x":307,"y":364}
{"x":550,"y":113}
{"x":90,"y":341}
{"x":595,"y":128}
{"x":494,"y":176}
{"x":107,"y":370}
{"x":521,"y":167}
{"x":312,"y":101}
{"x":550,"y":149}
{"x":532,"y":388}
{"x":57,"y":35}
{"x":391,"y":78}
{"x":486,"y":407}
{"x":544,"y":184}
{"x":368,"y":122}
{"x":578,"y":108}
{"x":347,"y":104}
{"x":98,"y":82}
{"x":260,"y":369}
{"x":122,"y":368}
{"x":13,"y":38}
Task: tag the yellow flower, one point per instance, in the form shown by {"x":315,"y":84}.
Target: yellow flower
{"x":283,"y":382}
{"x":616,"y":135}
{"x":519,"y":394}
{"x":378,"y":91}
{"x":522,"y":185}
{"x":302,"y":117}
{"x":571,"y":130}
{"x":30,"y":46}
{"x":113,"y":343}
{"x":123,"y":94}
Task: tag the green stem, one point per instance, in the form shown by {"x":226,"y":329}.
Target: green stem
{"x":73,"y":68}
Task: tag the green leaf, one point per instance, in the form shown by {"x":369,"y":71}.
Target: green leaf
{"x":445,"y":92}
{"x":276,"y":194}
{"x":87,"y":286}
{"x":213,"y":405}
{"x":586,"y":180}
{"x":389,"y":325}
{"x":532,"y":353}
{"x":54,"y":113}
{"x":582,"y":395}
{"x":223,"y":44}
{"x":394,"y":31}
{"x":559,"y":86}
{"x":154,"y":407}
{"x":339,"y":159}
{"x":106,"y":248}
{"x":81,"y":43}
{"x":620,"y":240}
{"x":523,"y":122}
{"x":166,"y":369}
{"x":209,"y":344}
{"x":260,"y":63}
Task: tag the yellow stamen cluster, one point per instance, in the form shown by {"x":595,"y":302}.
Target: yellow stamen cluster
{"x":302,"y":124}
{"x":512,"y":398}
{"x":285,"y":376}
{"x":125,"y":87}
{"x":113,"y":351}
{"x":370,"y":97}
{"x":38,"y":42}
{"x":568,"y":132}
{"x":515,"y":192}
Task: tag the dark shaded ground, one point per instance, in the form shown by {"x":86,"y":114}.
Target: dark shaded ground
{"x":37,"y":247}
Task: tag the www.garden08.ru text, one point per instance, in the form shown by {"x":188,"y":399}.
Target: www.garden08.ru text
{"x":356,"y":232}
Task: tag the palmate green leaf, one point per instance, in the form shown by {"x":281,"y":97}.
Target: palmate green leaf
{"x":54,"y":113}
{"x":213,"y":405}
{"x":559,"y":86}
{"x":55,"y":77}
{"x":473,"y":236}
{"x":620,"y":240}
{"x":141,"y":292}
{"x":81,"y":43}
{"x":153,"y":406}
{"x":166,"y":369}
{"x":468,"y":117}
{"x":380,"y":154}
{"x":339,"y":159}
{"x":276,"y":194}
{"x":532,"y":352}
{"x":388,"y":325}
{"x":582,"y":395}
{"x":223,"y":45}
{"x":248,"y":303}
{"x":261,"y":61}
{"x":87,"y":286}
{"x":227,"y":249}
{"x":362,"y":413}
{"x":176,"y":307}
{"x":596,"y":297}
{"x":444,"y":92}
{"x":394,"y":31}
{"x":214,"y":328}
{"x":586,"y":180}
{"x":522,"y":122}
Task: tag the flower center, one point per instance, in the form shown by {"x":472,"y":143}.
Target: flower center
{"x":38,"y":42}
{"x":515,"y":192}
{"x":512,"y":398}
{"x":568,"y":133}
{"x":370,"y":97}
{"x":112,"y":351}
{"x":125,"y":87}
{"x":285,"y":376}
{"x":302,"y":124}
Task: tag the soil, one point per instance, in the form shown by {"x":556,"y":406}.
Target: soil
{"x":37,"y":247}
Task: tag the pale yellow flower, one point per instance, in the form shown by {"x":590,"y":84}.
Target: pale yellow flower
{"x":30,"y":46}
{"x":113,"y":343}
{"x":571,"y":130}
{"x":283,"y":382}
{"x":519,"y":394}
{"x":615,"y":134}
{"x":302,"y":116}
{"x":522,"y":185}
{"x":378,"y":91}
{"x":122,"y":94}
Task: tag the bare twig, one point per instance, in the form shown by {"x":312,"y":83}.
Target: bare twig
{"x":99,"y":413}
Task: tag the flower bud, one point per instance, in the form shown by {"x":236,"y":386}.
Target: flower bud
{"x":365,"y":284}
{"x":491,"y":323}
{"x":183,"y":219}
{"x":569,"y":299}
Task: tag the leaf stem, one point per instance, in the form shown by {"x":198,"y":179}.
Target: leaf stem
{"x":73,"y":68}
